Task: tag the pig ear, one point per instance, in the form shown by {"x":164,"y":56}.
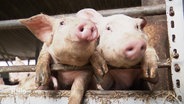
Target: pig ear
{"x":90,"y":14}
{"x":40,"y":25}
{"x":142,"y":22}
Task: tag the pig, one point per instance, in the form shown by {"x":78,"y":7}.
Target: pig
{"x":28,"y":83}
{"x":67,"y":40}
{"x":25,"y":80}
{"x":16,"y":77}
{"x":123,"y":43}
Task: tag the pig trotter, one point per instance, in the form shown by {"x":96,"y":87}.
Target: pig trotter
{"x":149,"y":64}
{"x":99,"y":65}
{"x":78,"y":88}
{"x":43,"y":72}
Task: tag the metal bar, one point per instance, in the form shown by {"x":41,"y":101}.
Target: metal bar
{"x":137,"y":11}
{"x":57,"y":67}
{"x":21,"y":68}
{"x":10,"y":24}
{"x":91,"y":97}
{"x":133,"y":11}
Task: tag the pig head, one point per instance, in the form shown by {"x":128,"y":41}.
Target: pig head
{"x":124,"y":44}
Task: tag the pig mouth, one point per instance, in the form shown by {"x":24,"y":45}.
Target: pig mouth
{"x":124,"y":64}
{"x":135,"y":58}
{"x":128,"y":62}
{"x":133,"y":62}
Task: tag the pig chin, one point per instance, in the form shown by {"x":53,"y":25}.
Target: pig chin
{"x":133,"y":59}
{"x":80,"y":39}
{"x":122,"y":61}
{"x":130,"y":63}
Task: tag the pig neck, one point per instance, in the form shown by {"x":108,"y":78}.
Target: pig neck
{"x":72,"y":53}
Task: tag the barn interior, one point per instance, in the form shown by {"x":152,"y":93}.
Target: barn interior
{"x":18,"y":41}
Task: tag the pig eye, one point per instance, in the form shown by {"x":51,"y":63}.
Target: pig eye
{"x":137,"y":27}
{"x":108,"y":28}
{"x":62,"y":23}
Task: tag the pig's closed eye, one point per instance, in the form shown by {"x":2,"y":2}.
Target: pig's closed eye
{"x":62,"y":23}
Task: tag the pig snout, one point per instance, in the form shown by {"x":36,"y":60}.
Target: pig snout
{"x":134,"y":49}
{"x":87,"y":31}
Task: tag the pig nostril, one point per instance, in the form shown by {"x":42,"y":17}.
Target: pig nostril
{"x":92,"y":29}
{"x":81,"y":29}
{"x":130,"y":49}
{"x":143,"y":47}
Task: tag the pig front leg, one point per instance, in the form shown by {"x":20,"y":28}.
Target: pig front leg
{"x":79,"y":87}
{"x":149,"y":64}
{"x":43,"y":71}
{"x":99,"y":64}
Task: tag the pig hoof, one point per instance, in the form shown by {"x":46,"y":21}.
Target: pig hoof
{"x":149,"y":72}
{"x":150,"y":64}
{"x":42,"y":75}
{"x":153,"y":77}
{"x":100,"y":71}
{"x":152,"y":73}
{"x":99,"y":65}
{"x":146,"y":73}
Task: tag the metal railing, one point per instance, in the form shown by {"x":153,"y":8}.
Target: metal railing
{"x":133,"y":11}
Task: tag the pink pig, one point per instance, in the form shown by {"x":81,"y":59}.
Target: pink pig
{"x":123,"y":44}
{"x":16,"y":77}
{"x":67,"y":40}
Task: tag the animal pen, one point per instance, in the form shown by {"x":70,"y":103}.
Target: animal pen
{"x":173,"y":65}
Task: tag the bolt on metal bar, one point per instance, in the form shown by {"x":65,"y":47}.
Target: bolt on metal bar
{"x":133,"y":11}
{"x":60,"y":67}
